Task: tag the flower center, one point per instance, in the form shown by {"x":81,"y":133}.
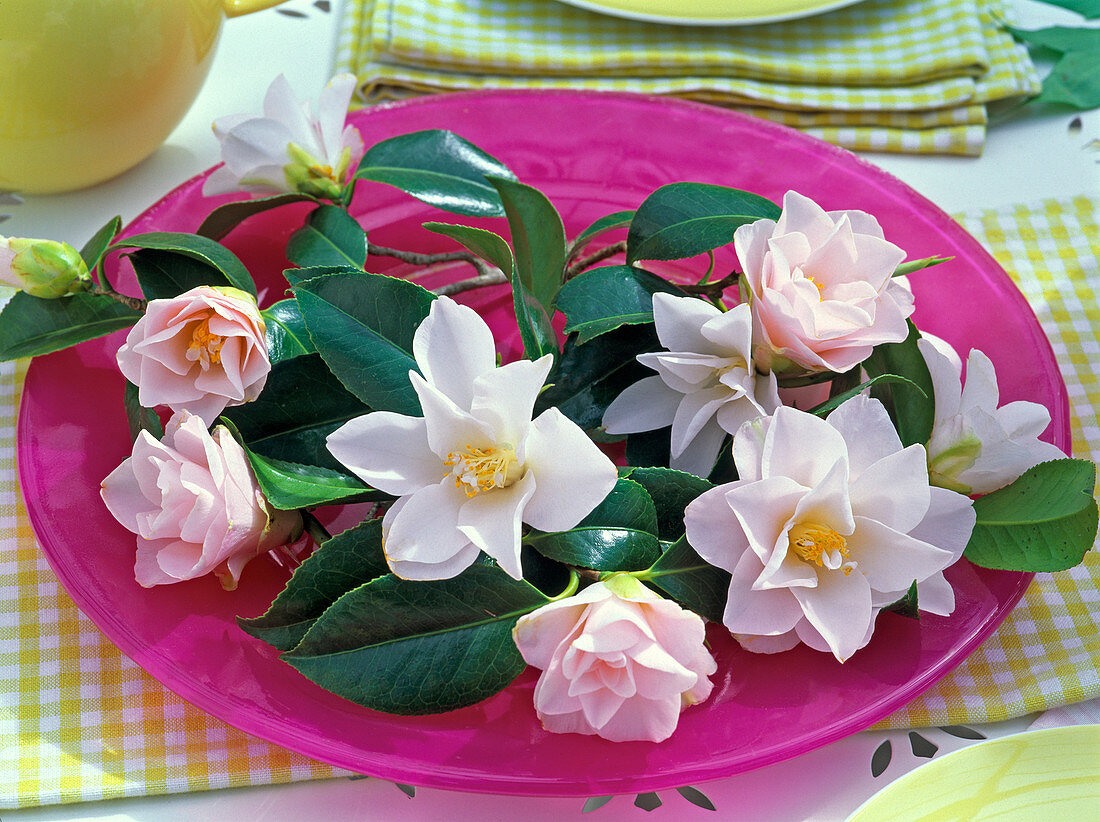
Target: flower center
{"x":205,"y":348}
{"x":481,"y":469}
{"x":819,"y":286}
{"x":820,"y":545}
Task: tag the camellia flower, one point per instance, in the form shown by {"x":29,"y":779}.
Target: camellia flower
{"x":706,"y":384}
{"x":193,"y":502}
{"x":617,"y":660}
{"x":43,"y":268}
{"x":475,"y":466}
{"x":977,"y":447}
{"x":203,"y":350}
{"x":829,"y":521}
{"x":821,"y":287}
{"x":289,"y":149}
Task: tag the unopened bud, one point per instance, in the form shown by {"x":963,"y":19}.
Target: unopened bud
{"x":43,"y":268}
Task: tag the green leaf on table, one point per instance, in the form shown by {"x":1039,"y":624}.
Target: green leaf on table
{"x":687,"y":578}
{"x":168,"y":254}
{"x":1061,"y":39}
{"x":1074,"y":80}
{"x":538,"y":238}
{"x":671,"y":492}
{"x":911,"y":402}
{"x":684,"y":219}
{"x":30,"y":326}
{"x":363,"y":325}
{"x":439,"y":168}
{"x":138,"y":417}
{"x":286,"y":334}
{"x":330,"y":237}
{"x":1089,"y":9}
{"x":620,"y":219}
{"x":620,"y":534}
{"x":341,"y":564}
{"x":228,"y":216}
{"x":301,"y":404}
{"x":1044,"y":521}
{"x":419,"y":647}
{"x":484,"y":243}
{"x":837,"y":399}
{"x":602,"y":299}
{"x":912,"y":266}
{"x":94,"y":250}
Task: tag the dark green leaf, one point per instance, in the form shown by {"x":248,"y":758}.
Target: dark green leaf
{"x":839,"y":399}
{"x":962,"y":732}
{"x":910,"y":404}
{"x":227,"y":269}
{"x":1044,"y":521}
{"x":95,"y":248}
{"x":684,"y":219}
{"x":330,"y":237}
{"x":687,"y":578}
{"x":228,"y":216}
{"x":538,"y":238}
{"x":919,"y":265}
{"x":595,"y":803}
{"x":535,"y":330}
{"x":439,"y":168}
{"x":301,"y":404}
{"x":485,"y":244}
{"x":649,"y":448}
{"x":297,"y":275}
{"x":1061,"y":39}
{"x":1074,"y":80}
{"x":602,"y":299}
{"x":30,"y":326}
{"x":922,"y":747}
{"x":286,"y":331}
{"x":341,"y":564}
{"x":620,"y":219}
{"x":140,"y":418}
{"x":363,"y":326}
{"x":291,"y":485}
{"x":671,"y":492}
{"x":647,"y":801}
{"x":696,"y":797}
{"x":1089,"y":9}
{"x":907,"y":606}
{"x":419,"y":647}
{"x":880,"y":760}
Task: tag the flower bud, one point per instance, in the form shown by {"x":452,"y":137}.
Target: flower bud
{"x":309,"y":175}
{"x":43,"y":268}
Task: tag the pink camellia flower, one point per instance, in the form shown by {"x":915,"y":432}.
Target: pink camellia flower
{"x":193,"y":502}
{"x":821,"y":288}
{"x":829,"y":521}
{"x":203,"y":350}
{"x":618,"y":661}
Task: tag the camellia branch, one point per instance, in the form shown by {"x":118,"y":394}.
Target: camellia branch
{"x":593,"y":258}
{"x":135,"y":303}
{"x":712,"y":289}
{"x":416,"y":258}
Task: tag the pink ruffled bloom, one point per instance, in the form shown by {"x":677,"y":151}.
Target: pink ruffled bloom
{"x":193,"y":502}
{"x":821,"y":287}
{"x":618,"y":661}
{"x":203,"y":350}
{"x":830,"y":521}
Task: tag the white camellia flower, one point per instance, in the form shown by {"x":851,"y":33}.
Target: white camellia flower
{"x":821,"y":287}
{"x":289,"y":149}
{"x":618,"y":661}
{"x":706,"y":384}
{"x":977,"y":447}
{"x":830,"y":521}
{"x":476,"y":466}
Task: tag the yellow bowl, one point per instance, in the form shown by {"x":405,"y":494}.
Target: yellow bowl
{"x":92,"y":87}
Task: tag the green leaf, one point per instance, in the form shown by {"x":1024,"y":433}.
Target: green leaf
{"x":297,"y":275}
{"x":620,"y":219}
{"x":419,"y":647}
{"x":1089,"y":9}
{"x":845,"y":395}
{"x":535,"y":331}
{"x":908,"y":606}
{"x":363,"y":326}
{"x":30,"y":326}
{"x":1044,"y":521}
{"x":286,"y":331}
{"x":620,"y":534}
{"x":439,"y":168}
{"x":538,"y":238}
{"x":910,"y":403}
{"x":291,"y":485}
{"x":138,"y":417}
{"x":227,"y":269}
{"x":95,"y":249}
{"x":301,"y":404}
{"x":330,"y":237}
{"x":1074,"y":80}
{"x":684,"y":219}
{"x":687,"y":578}
{"x":648,"y":449}
{"x":341,"y":564}
{"x":602,"y":299}
{"x":671,"y":492}
{"x":1061,"y":39}
{"x":486,"y":244}
{"x":919,"y":265}
{"x":228,"y":216}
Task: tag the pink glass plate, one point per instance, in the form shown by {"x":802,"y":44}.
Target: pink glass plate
{"x":592,"y":154}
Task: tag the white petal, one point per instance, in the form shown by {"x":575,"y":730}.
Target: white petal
{"x":694,"y":411}
{"x":786,"y":452}
{"x":453,"y":346}
{"x":678,"y":321}
{"x":646,"y":405}
{"x":894,"y":490}
{"x":948,"y":523}
{"x":505,"y":397}
{"x":421,"y":537}
{"x":751,"y":611}
{"x":492,"y":520}
{"x":891,"y":561}
{"x":387,"y":451}
{"x":840,"y":609}
{"x":867,"y":430}
{"x":332,"y":109}
{"x":701,"y":453}
{"x":713,"y":529}
{"x":448,"y":427}
{"x":281,"y":105}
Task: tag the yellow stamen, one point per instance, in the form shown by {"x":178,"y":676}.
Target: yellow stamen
{"x":480,"y":469}
{"x":820,"y":545}
{"x":820,"y":288}
{"x":318,"y":171}
{"x":205,"y":347}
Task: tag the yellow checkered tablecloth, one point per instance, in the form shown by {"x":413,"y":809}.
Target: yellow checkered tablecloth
{"x":80,"y":721}
{"x":886,"y":75}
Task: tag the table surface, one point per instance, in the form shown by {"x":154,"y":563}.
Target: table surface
{"x":1030,"y":155}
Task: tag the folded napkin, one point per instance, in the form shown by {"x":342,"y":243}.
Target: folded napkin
{"x":886,"y":75}
{"x":80,"y":721}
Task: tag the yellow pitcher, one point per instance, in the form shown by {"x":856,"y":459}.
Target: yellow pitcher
{"x":89,"y":88}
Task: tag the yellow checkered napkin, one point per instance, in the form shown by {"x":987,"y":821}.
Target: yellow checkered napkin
{"x":80,"y":721}
{"x":889,"y":75}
